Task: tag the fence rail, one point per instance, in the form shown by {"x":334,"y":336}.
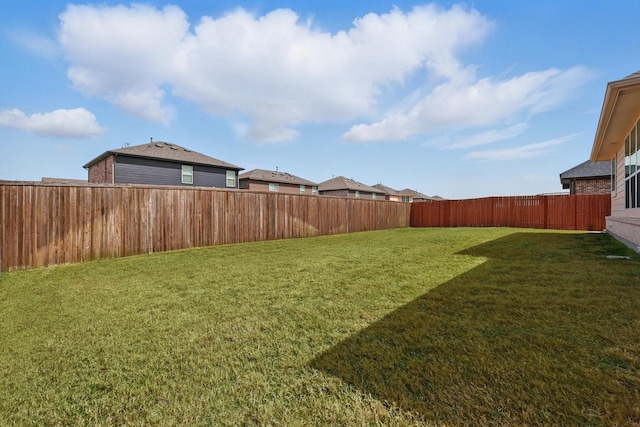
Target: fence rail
{"x":47,"y":224}
{"x":565,"y":212}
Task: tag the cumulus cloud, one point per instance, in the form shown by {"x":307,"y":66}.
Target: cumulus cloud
{"x":523,"y":152}
{"x":75,"y":123}
{"x":124,"y":54}
{"x":275,"y":70}
{"x":485,"y":102}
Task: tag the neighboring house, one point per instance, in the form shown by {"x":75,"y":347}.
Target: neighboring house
{"x":617,"y":140}
{"x":389,"y":193}
{"x":47,"y":180}
{"x":409,"y":195}
{"x":345,"y":187}
{"x":282,"y":182}
{"x":161,"y":163}
{"x":588,"y":178}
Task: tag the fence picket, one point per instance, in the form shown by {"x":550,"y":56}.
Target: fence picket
{"x":565,"y":212}
{"x":46,"y":224}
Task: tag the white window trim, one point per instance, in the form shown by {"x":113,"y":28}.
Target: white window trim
{"x":274,"y":186}
{"x":632,"y":161}
{"x":302,"y":189}
{"x":187,"y":171}
{"x":231,"y":179}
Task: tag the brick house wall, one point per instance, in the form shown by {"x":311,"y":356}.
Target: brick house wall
{"x":335,"y":193}
{"x":102,"y":171}
{"x":591,"y":186}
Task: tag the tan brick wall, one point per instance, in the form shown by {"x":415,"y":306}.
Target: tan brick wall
{"x":102,"y":172}
{"x":593,"y":186}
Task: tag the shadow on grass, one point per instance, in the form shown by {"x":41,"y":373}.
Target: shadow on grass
{"x":543,"y":332}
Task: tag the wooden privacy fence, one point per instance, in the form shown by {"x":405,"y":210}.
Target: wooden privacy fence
{"x":564,"y":212}
{"x":47,"y":224}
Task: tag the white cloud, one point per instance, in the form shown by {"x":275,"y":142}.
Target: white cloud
{"x":273,"y":70}
{"x":488,"y":137}
{"x":124,"y":54}
{"x":75,"y":123}
{"x":461,"y":103}
{"x":523,"y":152}
{"x":35,"y":43}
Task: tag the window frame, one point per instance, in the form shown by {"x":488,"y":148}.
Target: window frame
{"x":631,"y":151}
{"x":613,"y":174}
{"x":303,"y":188}
{"x":230,"y":178}
{"x":185,"y":172}
{"x":274,"y":186}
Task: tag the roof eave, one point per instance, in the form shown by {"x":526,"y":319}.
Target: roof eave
{"x":139,"y":156}
{"x":617,"y":117}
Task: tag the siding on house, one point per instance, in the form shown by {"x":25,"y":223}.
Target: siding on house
{"x":136,"y":170}
{"x":619,"y":116}
{"x":617,"y":197}
{"x":260,"y":180}
{"x":159,"y":163}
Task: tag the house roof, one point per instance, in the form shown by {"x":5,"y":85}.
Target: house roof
{"x":587,"y":169}
{"x":342,"y":183}
{"x":413,"y":193}
{"x":165,"y":151}
{"x":620,"y":110}
{"x":387,"y":190}
{"x":275,"y":176}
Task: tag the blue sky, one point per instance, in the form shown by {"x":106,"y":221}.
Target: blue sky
{"x":461,"y":100}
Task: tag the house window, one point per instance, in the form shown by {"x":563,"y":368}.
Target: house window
{"x":632,"y":168}
{"x":187,"y":174}
{"x":357,"y":194}
{"x":302,"y":189}
{"x":405,"y":199}
{"x":314,"y":190}
{"x":613,"y":175}
{"x":373,"y":196}
{"x":231,"y":178}
{"x":274,"y":186}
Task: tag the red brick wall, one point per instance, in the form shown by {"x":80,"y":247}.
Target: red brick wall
{"x":592,"y":186}
{"x":102,"y":171}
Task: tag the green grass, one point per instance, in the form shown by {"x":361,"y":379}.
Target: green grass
{"x":399,"y":327}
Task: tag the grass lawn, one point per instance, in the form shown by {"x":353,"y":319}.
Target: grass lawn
{"x":398,"y":327}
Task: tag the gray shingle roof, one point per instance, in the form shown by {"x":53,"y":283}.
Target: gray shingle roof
{"x":588,"y":169}
{"x":275,"y":176}
{"x":413,"y":193}
{"x":165,"y":151}
{"x":342,"y":183}
{"x":387,"y":190}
